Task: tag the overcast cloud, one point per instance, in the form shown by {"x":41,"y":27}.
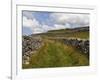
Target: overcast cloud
{"x":72,"y":19}
{"x":59,"y":21}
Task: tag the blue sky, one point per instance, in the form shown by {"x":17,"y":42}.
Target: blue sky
{"x":43,"y":18}
{"x":40,"y":22}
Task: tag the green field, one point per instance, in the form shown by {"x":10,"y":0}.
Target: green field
{"x":57,"y":54}
{"x":67,"y":33}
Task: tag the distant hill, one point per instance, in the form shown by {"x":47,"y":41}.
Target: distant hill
{"x":72,"y":29}
{"x":81,"y":32}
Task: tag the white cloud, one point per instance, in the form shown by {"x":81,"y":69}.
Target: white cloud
{"x":71,"y":19}
{"x":38,"y":30}
{"x":30,"y":22}
{"x":54,"y":27}
{"x":59,"y":26}
{"x":28,"y":14}
{"x":27,"y":22}
{"x":34,"y":25}
{"x":46,"y":27}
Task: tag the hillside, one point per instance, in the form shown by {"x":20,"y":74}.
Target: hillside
{"x":82,"y":33}
{"x":56,"y":48}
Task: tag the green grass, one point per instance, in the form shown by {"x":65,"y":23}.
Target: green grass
{"x":81,"y":34}
{"x":55,"y":54}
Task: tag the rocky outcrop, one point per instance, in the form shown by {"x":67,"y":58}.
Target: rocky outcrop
{"x":29,"y":46}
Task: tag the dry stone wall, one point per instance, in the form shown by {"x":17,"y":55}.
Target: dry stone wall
{"x":29,"y":46}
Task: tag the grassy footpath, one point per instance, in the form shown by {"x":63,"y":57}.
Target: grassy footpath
{"x":56,"y":54}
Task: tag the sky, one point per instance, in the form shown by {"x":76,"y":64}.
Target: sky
{"x":40,"y":22}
